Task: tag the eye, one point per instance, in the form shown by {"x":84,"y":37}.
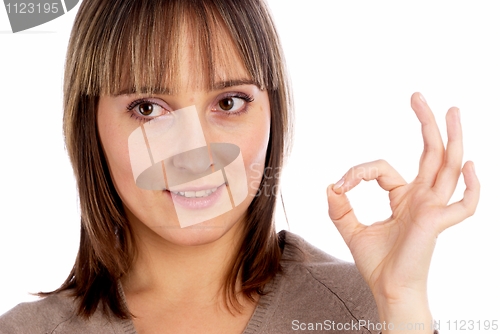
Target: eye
{"x":233,"y":103}
{"x":147,"y":109}
{"x":228,"y":103}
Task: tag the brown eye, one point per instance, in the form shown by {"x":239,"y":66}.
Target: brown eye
{"x":226,"y":104}
{"x":233,"y":104}
{"x":146,"y":108}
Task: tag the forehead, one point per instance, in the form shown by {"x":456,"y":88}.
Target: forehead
{"x":191,"y":56}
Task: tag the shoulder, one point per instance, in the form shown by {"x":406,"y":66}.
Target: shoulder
{"x":53,"y":314}
{"x":328,"y":275}
{"x":37,"y":317}
{"x":301,"y":256}
{"x":317,"y":288}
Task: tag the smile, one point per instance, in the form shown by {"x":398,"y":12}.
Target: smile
{"x":198,"y":198}
{"x":197,"y":194}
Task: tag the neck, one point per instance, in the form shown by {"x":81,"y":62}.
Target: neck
{"x":179,"y":273}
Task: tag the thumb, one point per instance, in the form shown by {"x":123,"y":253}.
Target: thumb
{"x":341,"y":212}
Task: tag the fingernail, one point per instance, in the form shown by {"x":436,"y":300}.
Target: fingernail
{"x":422,"y":98}
{"x":339,"y":184}
{"x":473,"y":167}
{"x":458,"y":114}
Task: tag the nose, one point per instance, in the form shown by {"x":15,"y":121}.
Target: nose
{"x":196,"y":161}
{"x":192,"y":153}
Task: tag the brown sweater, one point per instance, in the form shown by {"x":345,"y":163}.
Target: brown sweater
{"x":321,"y":294}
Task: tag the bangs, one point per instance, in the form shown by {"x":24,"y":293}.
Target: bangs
{"x":137,"y":47}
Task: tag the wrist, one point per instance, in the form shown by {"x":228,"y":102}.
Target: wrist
{"x":411,"y":315}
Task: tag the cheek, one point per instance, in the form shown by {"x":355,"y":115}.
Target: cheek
{"x":254,"y":149}
{"x":119,"y":164}
{"x":114,"y":141}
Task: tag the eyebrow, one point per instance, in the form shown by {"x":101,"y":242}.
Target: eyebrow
{"x":231,"y":83}
{"x":166,"y":91}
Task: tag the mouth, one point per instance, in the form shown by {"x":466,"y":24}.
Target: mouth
{"x":197,"y":198}
{"x":195,"y":193}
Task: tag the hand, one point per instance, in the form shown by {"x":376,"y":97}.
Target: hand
{"x":394,"y":255}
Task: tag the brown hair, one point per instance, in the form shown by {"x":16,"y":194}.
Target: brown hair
{"x":133,"y":44}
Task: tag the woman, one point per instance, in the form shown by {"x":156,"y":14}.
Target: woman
{"x":148,"y":261}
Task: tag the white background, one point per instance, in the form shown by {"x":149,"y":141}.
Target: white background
{"x":354,"y":66}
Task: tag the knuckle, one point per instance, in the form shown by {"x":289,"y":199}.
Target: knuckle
{"x":338,"y":214}
{"x":383,"y":164}
{"x":352,"y":172}
{"x":470,"y":210}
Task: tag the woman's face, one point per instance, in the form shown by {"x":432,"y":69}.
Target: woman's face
{"x":237,"y":114}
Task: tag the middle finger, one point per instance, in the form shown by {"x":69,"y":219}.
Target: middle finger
{"x":433,"y":153}
{"x":447,"y":179}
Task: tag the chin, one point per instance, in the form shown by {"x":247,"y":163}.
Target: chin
{"x":228,"y":226}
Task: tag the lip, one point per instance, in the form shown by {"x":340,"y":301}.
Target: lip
{"x":196,"y":188}
{"x":196,"y":203}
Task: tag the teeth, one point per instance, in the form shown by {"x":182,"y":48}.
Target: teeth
{"x":197,"y":194}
